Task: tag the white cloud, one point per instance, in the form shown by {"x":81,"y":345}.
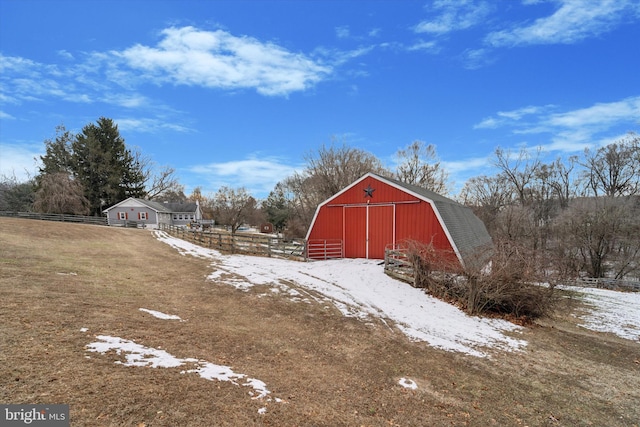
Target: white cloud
{"x":184,"y":56}
{"x":218,"y":59}
{"x":504,"y":118}
{"x":24,"y":80}
{"x":454,"y":15}
{"x":258,"y":175}
{"x":570,"y":131}
{"x":65,"y":54}
{"x":456,"y":167}
{"x":522,"y":112}
{"x":427,"y":46}
{"x":6,"y":116}
{"x":573,"y":21}
{"x":18,"y":161}
{"x":488,"y":123}
{"x":343,"y":32}
{"x":570,"y":21}
{"x":600,"y":115}
{"x":126,"y":100}
{"x":147,"y":125}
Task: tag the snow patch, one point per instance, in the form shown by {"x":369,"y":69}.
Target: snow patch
{"x":359,"y":288}
{"x":161,"y":315}
{"x":612,"y":311}
{"x":407,"y":383}
{"x":139,"y":355}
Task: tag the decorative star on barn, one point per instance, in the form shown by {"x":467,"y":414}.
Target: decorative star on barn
{"x":368,"y":192}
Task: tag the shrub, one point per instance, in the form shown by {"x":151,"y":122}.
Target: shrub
{"x":510,"y":285}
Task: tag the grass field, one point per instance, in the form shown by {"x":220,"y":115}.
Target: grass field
{"x":62,"y":285}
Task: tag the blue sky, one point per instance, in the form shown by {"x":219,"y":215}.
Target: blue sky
{"x":237,"y":92}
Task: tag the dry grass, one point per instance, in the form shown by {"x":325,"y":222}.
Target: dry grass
{"x":329,"y":369}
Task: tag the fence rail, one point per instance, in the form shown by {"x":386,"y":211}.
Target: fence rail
{"x":96,"y":220}
{"x":605,"y":283}
{"x":247,"y":243}
{"x":398,"y":265}
{"x":325,"y":249}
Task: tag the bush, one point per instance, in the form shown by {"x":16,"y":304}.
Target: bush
{"x":509,"y":286}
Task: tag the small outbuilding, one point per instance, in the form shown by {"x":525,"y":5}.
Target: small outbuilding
{"x":375,"y":213}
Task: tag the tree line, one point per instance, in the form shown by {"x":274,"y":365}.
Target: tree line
{"x":572,"y":216}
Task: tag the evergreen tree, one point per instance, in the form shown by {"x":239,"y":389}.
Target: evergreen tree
{"x":276,"y":208}
{"x":104,"y":166}
{"x":57,"y":157}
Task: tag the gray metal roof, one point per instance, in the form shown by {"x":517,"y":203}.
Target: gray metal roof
{"x":170,"y":207}
{"x":468,"y":232}
{"x":163,"y":207}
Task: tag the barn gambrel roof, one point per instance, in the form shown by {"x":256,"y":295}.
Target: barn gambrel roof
{"x":467,"y":233}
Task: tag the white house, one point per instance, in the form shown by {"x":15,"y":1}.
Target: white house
{"x":151,"y":214}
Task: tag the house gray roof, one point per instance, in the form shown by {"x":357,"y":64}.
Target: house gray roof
{"x":163,"y":207}
{"x":168,"y":207}
{"x":468,"y":232}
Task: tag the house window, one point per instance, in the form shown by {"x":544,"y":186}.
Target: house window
{"x":122,"y":216}
{"x":175,"y":216}
{"x":143,"y":216}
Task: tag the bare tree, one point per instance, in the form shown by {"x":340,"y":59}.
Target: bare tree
{"x":520,"y":171}
{"x":614,"y":170}
{"x":157,"y":180}
{"x":328,"y":170}
{"x":162,"y":181}
{"x":559,"y":176}
{"x":233,"y":207}
{"x":487,"y":196}
{"x":303,"y":194}
{"x":601,"y":234}
{"x":333,"y":168}
{"x":16,"y":196}
{"x":61,"y":194}
{"x":418,"y":164}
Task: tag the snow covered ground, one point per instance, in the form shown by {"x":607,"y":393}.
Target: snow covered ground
{"x":615,"y":312}
{"x":359,"y":288}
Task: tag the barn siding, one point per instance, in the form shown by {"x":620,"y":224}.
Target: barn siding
{"x":355,"y":232}
{"x":381,"y":231}
{"x":391,"y":215}
{"x":376,"y":212}
{"x":329,"y":224}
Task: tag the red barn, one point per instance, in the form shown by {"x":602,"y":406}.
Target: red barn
{"x":376,"y":212}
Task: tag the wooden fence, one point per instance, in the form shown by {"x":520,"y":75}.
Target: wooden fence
{"x":95,"y":220}
{"x":398,"y":265}
{"x":246,"y":243}
{"x":325,"y":249}
{"x":605,"y":283}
